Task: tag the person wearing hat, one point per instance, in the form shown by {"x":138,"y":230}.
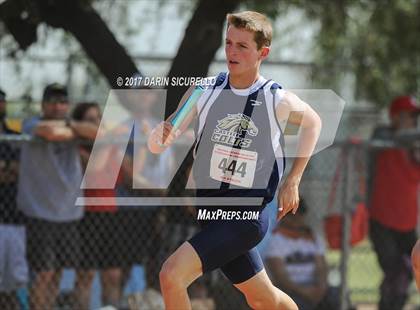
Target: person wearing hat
{"x":393,"y":182}
{"x":13,"y":265}
{"x":49,"y":184}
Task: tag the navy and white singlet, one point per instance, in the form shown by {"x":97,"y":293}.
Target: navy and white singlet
{"x":239,"y":153}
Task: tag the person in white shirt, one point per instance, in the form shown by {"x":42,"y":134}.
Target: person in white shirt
{"x":296,"y":262}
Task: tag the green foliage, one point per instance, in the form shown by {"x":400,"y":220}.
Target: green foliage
{"x":386,"y":52}
{"x":268,"y":7}
{"x":377,"y":41}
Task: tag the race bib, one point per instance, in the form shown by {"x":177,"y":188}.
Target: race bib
{"x":233,"y":166}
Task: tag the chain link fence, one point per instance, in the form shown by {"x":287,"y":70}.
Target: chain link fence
{"x":116,"y":252}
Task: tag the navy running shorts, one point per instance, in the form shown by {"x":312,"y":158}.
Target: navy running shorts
{"x":231,"y":245}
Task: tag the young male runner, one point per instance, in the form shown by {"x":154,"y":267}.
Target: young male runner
{"x":239,"y":153}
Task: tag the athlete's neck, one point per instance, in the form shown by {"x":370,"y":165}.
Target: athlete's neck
{"x":243,"y":81}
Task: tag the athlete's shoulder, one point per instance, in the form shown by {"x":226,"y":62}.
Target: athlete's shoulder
{"x":209,"y":85}
{"x":275,"y":90}
{"x":214,"y":81}
{"x":274,"y":85}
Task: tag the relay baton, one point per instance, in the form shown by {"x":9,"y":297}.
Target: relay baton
{"x":186,"y":108}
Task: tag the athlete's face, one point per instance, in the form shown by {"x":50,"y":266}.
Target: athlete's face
{"x":241,"y":50}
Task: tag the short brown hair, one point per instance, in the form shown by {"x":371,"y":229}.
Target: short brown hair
{"x":255,"y":22}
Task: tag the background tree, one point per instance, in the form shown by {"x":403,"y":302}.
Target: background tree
{"x":376,"y":41}
{"x":203,"y":36}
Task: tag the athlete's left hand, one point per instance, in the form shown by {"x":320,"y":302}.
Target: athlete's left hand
{"x":288,"y":198}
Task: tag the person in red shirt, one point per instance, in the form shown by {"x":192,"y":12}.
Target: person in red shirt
{"x":394,"y":183}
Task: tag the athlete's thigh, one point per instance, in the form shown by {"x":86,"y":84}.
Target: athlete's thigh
{"x":416,"y":252}
{"x":260,"y":290}
{"x":185,"y":262}
{"x":415,"y":258}
{"x":258,"y":285}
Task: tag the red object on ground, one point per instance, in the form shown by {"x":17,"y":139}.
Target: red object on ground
{"x":333,"y":226}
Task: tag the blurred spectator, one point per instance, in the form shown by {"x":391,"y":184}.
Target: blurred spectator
{"x":295,"y":259}
{"x":149,"y":175}
{"x":13,"y":265}
{"x":49,"y":183}
{"x":100,"y":228}
{"x":393,"y":189}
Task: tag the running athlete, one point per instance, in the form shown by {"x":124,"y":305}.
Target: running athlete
{"x":239,"y":153}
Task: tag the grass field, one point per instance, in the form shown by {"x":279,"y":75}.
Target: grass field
{"x":364,"y":275}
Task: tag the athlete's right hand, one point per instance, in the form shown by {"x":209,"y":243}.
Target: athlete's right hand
{"x":288,"y":197}
{"x":162,"y":136}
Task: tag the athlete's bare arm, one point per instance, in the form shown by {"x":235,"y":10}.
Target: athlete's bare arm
{"x":299,"y":113}
{"x":164,"y":132}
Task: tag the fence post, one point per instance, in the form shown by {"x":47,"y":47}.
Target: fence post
{"x":345,"y":233}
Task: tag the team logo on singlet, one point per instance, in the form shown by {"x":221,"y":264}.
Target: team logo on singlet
{"x":232,"y":129}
